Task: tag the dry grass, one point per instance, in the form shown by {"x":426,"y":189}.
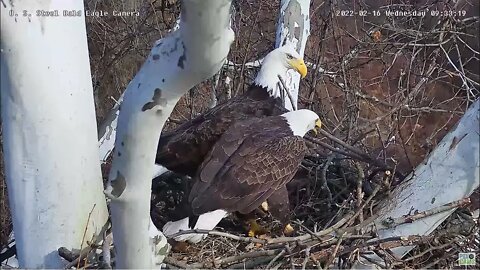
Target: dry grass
{"x":394,"y":86}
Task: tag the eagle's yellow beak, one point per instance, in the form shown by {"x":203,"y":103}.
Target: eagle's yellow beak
{"x":299,"y":66}
{"x":318,"y":125}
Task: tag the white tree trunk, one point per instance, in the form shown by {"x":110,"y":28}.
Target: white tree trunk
{"x":108,"y":129}
{"x":450,"y":173}
{"x":293,"y":28}
{"x":50,"y":136}
{"x":106,"y":137}
{"x":193,"y":53}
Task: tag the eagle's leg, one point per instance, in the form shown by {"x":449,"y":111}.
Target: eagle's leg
{"x":255,"y":228}
{"x":249,"y":222}
{"x":279,"y":206}
{"x":264,"y":206}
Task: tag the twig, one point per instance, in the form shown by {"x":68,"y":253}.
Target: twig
{"x":247,"y":51}
{"x":84,"y":234}
{"x":354,"y":153}
{"x":107,"y":257}
{"x":307,"y":256}
{"x":237,"y":258}
{"x":312,"y":141}
{"x":334,"y":253}
{"x":393,"y":222}
{"x":289,"y":253}
{"x":345,"y":145}
{"x":83,"y":255}
{"x":251,"y":264}
{"x":312,"y":233}
{"x":223,"y":234}
{"x":304,"y":237}
{"x":174,"y":262}
{"x":285,"y":89}
{"x":323,"y":179}
{"x":269,"y":265}
{"x":359,"y":190}
{"x":360,"y":209}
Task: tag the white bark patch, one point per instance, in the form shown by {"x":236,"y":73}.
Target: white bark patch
{"x":182,"y":58}
{"x":118,"y":185}
{"x":157,"y":100}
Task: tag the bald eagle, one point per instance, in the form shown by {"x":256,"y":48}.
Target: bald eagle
{"x":184,"y":149}
{"x":250,"y":161}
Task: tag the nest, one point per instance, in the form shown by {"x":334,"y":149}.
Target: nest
{"x":333,"y":205}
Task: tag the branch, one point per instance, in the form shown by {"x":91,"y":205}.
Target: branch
{"x":284,"y":88}
{"x":222,"y":234}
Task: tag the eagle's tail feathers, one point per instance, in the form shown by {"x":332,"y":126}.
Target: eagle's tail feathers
{"x":206,"y":221}
{"x":173,"y":227}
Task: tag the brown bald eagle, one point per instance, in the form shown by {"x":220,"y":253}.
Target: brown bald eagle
{"x":184,"y":149}
{"x":250,"y":161}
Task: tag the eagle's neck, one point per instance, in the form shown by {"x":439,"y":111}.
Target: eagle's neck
{"x":267,"y":77}
{"x":298,"y":129}
{"x":300,"y":121}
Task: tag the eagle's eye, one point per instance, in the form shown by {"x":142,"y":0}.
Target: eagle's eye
{"x":289,"y":56}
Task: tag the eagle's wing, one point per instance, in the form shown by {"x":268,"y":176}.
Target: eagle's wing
{"x":184,"y":149}
{"x":246,"y":166}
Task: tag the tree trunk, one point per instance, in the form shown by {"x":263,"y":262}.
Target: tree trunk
{"x":50,"y":136}
{"x":193,"y":53}
{"x":293,"y":28}
{"x":450,"y":173}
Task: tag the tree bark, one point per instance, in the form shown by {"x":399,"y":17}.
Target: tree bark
{"x":193,"y":53}
{"x":50,"y":137}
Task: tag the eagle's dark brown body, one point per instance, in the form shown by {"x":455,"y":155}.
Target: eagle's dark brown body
{"x":252,"y":160}
{"x":184,"y":149}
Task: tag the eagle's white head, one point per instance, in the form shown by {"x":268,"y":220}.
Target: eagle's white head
{"x":302,"y":121}
{"x":278,"y":62}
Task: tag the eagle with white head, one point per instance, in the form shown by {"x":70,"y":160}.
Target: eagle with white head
{"x":253,"y":159}
{"x":183,"y":149}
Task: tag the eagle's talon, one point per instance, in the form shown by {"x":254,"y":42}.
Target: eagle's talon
{"x":288,"y":230}
{"x":264,"y":206}
{"x":255,"y":229}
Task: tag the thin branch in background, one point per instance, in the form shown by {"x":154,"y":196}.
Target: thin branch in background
{"x":285,"y":90}
{"x":85,"y":233}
